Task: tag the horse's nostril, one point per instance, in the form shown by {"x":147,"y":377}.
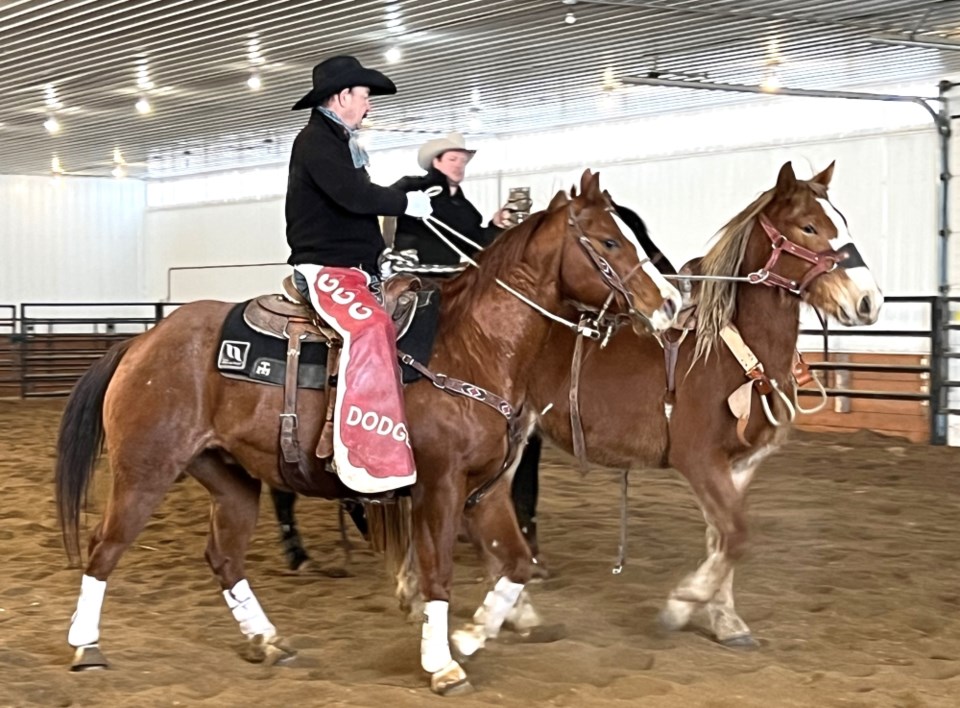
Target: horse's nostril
{"x":669,"y":307}
{"x":865,"y":306}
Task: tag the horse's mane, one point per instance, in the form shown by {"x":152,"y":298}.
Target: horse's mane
{"x":461,"y":293}
{"x":717,"y":303}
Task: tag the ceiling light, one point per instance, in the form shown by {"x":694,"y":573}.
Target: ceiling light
{"x":254,"y":83}
{"x":118,"y":172}
{"x":143,"y":106}
{"x":772,"y":80}
{"x":475,"y":123}
{"x":55,"y":166}
{"x":118,"y":157}
{"x":52,"y":125}
{"x":393,"y":55}
{"x":570,"y":18}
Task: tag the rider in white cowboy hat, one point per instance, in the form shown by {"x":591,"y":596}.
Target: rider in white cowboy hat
{"x":444,"y":160}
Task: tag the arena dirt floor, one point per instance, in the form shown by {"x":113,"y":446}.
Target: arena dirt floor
{"x":851,"y":585}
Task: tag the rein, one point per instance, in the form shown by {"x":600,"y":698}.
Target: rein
{"x":584,"y":328}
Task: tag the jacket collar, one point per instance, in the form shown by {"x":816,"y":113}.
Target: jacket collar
{"x":317,"y":118}
{"x":435,"y":176}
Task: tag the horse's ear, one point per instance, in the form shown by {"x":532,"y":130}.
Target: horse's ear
{"x":594,"y":193}
{"x":559,"y":199}
{"x":825,"y":176}
{"x":585,"y":181}
{"x":786,"y":180}
{"x":573,"y":191}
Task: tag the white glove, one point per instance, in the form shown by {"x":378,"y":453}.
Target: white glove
{"x":418,"y":205}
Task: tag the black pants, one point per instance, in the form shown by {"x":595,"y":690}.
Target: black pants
{"x":526,"y":485}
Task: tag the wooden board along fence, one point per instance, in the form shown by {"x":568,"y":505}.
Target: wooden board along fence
{"x":909,"y":419}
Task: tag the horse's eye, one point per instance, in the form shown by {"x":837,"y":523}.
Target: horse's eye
{"x":610,"y":244}
{"x":809,"y":229}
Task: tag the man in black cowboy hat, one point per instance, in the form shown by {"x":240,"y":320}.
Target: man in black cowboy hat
{"x":335,"y":242}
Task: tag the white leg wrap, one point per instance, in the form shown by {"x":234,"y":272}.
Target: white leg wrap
{"x":247,"y":611}
{"x":496,"y":606}
{"x":85,"y":624}
{"x":434,"y":644}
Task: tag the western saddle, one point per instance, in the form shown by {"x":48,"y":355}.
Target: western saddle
{"x":291,"y":317}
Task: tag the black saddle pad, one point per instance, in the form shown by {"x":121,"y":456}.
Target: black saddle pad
{"x":247,"y":354}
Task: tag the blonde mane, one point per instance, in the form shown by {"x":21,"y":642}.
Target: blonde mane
{"x":717,"y":303}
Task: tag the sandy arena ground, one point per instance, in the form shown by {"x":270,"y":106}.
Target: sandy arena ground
{"x":851,"y":585}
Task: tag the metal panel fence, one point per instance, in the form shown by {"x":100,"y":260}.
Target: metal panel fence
{"x":45,"y":350}
{"x":936,"y":367}
{"x":56,"y":343}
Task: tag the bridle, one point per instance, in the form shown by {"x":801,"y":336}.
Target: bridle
{"x":586,"y":327}
{"x":826,"y":261}
{"x":609,"y":276}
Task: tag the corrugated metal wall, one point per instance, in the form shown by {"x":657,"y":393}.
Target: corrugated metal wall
{"x":70,"y":239}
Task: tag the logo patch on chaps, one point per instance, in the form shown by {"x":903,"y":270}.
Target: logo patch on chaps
{"x":233,"y":355}
{"x":374,"y":422}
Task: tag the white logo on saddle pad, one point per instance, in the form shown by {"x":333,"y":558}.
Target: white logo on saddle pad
{"x":375,"y":423}
{"x":233,"y":355}
{"x":263,"y":369}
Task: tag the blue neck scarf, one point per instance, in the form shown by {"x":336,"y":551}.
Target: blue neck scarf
{"x":359,"y":155}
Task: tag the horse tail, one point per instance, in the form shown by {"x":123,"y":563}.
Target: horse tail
{"x":391,"y":531}
{"x":80,"y":442}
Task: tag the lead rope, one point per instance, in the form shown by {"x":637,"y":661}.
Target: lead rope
{"x":622,"y":550}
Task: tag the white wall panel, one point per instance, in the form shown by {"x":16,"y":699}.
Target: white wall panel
{"x":214,"y":235}
{"x":70,"y":239}
{"x":885,"y":184}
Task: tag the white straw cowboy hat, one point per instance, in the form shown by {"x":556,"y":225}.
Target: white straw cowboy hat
{"x":438,"y":146}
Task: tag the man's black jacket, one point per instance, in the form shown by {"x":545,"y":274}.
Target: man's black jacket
{"x":452,"y":209}
{"x":331,"y":205}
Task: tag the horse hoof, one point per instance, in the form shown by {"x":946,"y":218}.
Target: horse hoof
{"x":89,"y":658}
{"x":741,"y":641}
{"x":451,"y":680}
{"x":271,"y":652}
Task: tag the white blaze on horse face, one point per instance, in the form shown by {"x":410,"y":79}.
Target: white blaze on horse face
{"x":667,"y":291}
{"x":861,"y":277}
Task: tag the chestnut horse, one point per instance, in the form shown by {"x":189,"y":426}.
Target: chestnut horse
{"x":164,"y":410}
{"x":790,"y":245}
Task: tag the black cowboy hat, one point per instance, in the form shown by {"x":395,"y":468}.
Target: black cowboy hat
{"x":337,"y":73}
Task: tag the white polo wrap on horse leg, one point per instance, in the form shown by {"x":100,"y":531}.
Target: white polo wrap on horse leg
{"x":247,"y":611}
{"x":434,"y":644}
{"x":85,"y":623}
{"x":497,"y":605}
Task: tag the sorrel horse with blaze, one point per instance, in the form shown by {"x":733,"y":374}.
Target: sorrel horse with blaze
{"x":791,"y":245}
{"x":163,"y":410}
